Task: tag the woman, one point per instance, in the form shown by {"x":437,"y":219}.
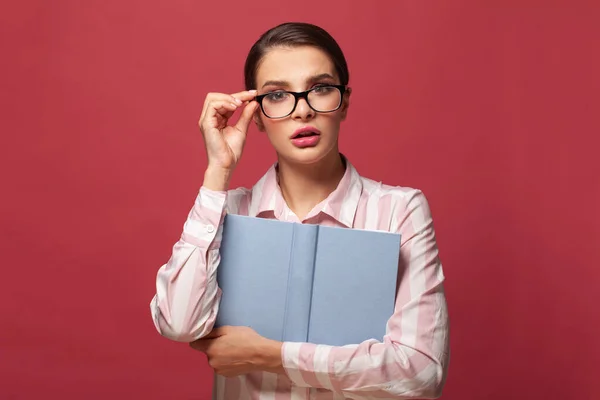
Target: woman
{"x":296,"y":79}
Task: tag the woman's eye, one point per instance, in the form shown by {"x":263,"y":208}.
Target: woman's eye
{"x":276,"y":96}
{"x":323,"y":89}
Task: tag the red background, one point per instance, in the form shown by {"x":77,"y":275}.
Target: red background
{"x":490,"y":108}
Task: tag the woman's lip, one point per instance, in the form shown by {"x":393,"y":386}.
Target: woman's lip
{"x":306,"y":141}
{"x":305,"y":129}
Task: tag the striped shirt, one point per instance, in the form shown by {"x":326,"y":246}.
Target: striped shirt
{"x":412,"y":359}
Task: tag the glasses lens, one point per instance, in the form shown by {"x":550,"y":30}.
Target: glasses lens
{"x":322,"y":98}
{"x":325,"y":98}
{"x":278,"y":104}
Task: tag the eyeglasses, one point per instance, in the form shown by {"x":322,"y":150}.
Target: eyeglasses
{"x":281,"y":103}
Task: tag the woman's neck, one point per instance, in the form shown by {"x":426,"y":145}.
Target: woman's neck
{"x":303,"y":186}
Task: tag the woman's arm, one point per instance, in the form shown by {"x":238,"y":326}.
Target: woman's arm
{"x":412,"y":360}
{"x":187,"y":295}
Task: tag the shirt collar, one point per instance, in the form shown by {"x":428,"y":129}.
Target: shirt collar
{"x":341,"y":204}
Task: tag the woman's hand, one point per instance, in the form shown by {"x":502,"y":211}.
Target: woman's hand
{"x":224,"y":142}
{"x":238,"y":350}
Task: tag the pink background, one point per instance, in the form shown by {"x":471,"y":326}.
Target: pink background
{"x":491,"y":108}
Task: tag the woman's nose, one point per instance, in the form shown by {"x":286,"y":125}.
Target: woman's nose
{"x":303,"y":110}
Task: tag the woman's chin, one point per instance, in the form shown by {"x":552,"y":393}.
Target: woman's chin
{"x":307,"y":155}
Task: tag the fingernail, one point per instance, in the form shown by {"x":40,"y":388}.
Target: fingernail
{"x":252,"y":91}
{"x":238,"y":101}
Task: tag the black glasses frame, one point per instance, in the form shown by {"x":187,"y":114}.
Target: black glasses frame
{"x":302,"y":95}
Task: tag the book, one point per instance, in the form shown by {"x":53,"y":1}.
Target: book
{"x":307,"y":283}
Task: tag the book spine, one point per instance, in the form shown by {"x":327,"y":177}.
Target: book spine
{"x":300,"y":281}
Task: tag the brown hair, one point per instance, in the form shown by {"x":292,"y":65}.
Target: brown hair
{"x":292,"y":34}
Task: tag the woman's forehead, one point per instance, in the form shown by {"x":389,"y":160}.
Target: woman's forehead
{"x":295,"y":65}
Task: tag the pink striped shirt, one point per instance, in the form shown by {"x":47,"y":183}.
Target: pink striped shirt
{"x":412,"y":359}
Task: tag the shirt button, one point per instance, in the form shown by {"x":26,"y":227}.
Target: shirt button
{"x":210,"y":228}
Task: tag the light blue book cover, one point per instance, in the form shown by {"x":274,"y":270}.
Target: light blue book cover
{"x":307,"y":283}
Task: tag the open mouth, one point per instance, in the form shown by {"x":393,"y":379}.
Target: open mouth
{"x":308,"y":132}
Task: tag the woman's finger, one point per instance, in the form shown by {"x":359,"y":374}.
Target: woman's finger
{"x":246,"y":117}
{"x":223,"y":108}
{"x":235,"y":98}
{"x":246,"y":95}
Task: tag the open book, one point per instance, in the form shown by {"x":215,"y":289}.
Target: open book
{"x":307,"y":283}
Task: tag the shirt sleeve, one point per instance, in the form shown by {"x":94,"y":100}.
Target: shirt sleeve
{"x":412,"y":359}
{"x":186,"y":302}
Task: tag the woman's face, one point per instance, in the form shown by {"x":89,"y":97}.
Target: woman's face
{"x":298,"y":69}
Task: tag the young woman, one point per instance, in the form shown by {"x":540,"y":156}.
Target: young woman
{"x":297,"y":93}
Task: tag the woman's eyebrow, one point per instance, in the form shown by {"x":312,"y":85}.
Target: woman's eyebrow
{"x":320,"y":77}
{"x":312,"y":79}
{"x":275,"y":83}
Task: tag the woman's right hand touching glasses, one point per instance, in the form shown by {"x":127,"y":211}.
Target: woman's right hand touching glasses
{"x":224,"y":143}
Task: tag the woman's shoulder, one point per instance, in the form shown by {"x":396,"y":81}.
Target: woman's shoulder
{"x":238,"y":200}
{"x":403,"y":202}
{"x":376,"y":190}
{"x":239,"y":192}
{"x":396,"y":193}
{"x":245,"y":200}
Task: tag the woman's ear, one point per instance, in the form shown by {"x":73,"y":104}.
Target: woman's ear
{"x":345,"y":103}
{"x":257,"y":120}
